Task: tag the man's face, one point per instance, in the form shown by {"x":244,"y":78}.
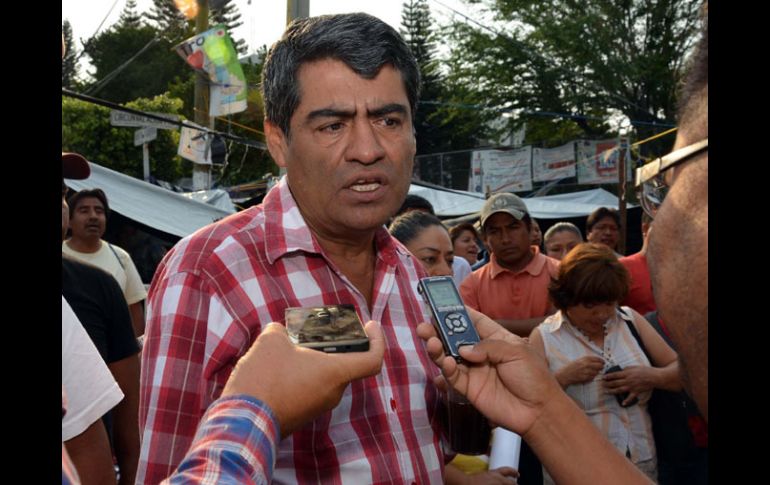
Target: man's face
{"x":605,"y":231}
{"x":508,"y":238}
{"x":350,"y":151}
{"x":678,"y":259}
{"x":88,"y":219}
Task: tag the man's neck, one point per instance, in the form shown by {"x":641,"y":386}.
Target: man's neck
{"x":84,"y":245}
{"x":517,"y":265}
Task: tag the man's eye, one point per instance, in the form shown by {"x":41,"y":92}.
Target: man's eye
{"x":429,"y":261}
{"x":332,"y":127}
{"x":391,"y":122}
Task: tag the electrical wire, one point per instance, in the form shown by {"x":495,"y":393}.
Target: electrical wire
{"x":181,"y":124}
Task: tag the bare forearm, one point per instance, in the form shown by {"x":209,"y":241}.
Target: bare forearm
{"x":522,"y":327}
{"x":126,"y":441}
{"x":563,"y":430}
{"x":668,"y":377}
{"x":137,"y":318}
{"x":126,"y":418}
{"x":90,"y":453}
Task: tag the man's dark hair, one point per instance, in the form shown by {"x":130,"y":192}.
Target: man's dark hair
{"x":600,"y":214}
{"x":694,"y":95}
{"x":364,"y":43}
{"x":409,"y":225}
{"x":415,"y":202}
{"x":590,"y":274}
{"x":78,"y":196}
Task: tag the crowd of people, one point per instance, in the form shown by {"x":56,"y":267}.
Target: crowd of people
{"x":593,"y":358}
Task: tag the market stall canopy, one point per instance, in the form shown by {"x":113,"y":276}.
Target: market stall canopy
{"x":159,"y":208}
{"x":456,"y":203}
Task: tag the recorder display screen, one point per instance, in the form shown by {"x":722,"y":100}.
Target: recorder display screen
{"x":443,"y":294}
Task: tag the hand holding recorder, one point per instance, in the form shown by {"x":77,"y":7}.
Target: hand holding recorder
{"x":300,"y":383}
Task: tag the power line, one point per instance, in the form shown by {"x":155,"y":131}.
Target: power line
{"x":112,"y":75}
{"x":181,"y":124}
{"x":88,"y":41}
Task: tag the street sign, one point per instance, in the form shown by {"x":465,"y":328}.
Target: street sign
{"x":123,"y":118}
{"x":144,"y":135}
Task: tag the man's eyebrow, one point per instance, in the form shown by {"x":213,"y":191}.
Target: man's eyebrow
{"x":330,"y":113}
{"x":387,"y":109}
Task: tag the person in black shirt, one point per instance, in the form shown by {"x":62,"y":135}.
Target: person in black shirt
{"x":98,"y":302}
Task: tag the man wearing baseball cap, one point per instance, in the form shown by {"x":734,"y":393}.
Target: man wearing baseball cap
{"x":513,"y":288}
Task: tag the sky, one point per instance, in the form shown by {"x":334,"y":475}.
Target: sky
{"x":263,"y":20}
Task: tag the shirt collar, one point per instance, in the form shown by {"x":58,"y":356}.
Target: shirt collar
{"x":287,"y":232}
{"x":534,"y":268}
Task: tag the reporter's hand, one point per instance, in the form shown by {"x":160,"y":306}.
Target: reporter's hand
{"x":298,"y":383}
{"x":503,"y":476}
{"x":485,"y":326}
{"x":636,"y":380}
{"x":506,"y":379}
{"x":580,"y":370}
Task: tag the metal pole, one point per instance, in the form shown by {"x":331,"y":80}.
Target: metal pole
{"x":622,"y":197}
{"x":146,"y":157}
{"x":295,"y":9}
{"x":201,"y":173}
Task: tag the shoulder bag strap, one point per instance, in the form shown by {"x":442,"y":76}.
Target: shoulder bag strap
{"x":116,"y":256}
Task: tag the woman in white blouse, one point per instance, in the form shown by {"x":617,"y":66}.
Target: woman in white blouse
{"x":593,"y":353}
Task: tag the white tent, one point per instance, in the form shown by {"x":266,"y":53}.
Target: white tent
{"x":159,"y":208}
{"x":456,"y":203}
{"x":182,"y":214}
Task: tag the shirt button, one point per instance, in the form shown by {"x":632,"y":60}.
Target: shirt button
{"x":393,"y":404}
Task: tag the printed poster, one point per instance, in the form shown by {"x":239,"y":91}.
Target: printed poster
{"x":213,"y":53}
{"x":553,"y":163}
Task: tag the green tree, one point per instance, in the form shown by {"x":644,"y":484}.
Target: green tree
{"x":86,"y":129}
{"x":169,"y":22}
{"x":441,"y":122}
{"x":133,"y":62}
{"x":129,"y":16}
{"x":582,"y":60}
{"x":69,"y":65}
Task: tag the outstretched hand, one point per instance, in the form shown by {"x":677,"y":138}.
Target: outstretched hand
{"x":504,"y":377}
{"x":298,"y":383}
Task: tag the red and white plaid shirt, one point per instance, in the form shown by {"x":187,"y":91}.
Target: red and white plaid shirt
{"x":207,"y":304}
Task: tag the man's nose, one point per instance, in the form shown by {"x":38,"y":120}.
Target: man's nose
{"x":364,"y":146}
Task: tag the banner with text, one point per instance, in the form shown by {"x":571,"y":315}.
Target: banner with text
{"x":553,"y":163}
{"x":501,"y":170}
{"x":598,"y":161}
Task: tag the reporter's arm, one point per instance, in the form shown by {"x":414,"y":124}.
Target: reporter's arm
{"x":574,"y":451}
{"x":522,"y":327}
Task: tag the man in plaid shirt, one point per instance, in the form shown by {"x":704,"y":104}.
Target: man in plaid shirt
{"x":339,"y":94}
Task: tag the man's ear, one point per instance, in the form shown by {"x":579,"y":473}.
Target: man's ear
{"x":277,"y":144}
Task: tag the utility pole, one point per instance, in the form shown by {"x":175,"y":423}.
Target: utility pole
{"x":202,"y":173}
{"x":622,"y":196}
{"x":295,"y":9}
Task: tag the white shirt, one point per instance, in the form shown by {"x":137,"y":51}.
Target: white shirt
{"x":461,"y":268}
{"x":90,"y":388}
